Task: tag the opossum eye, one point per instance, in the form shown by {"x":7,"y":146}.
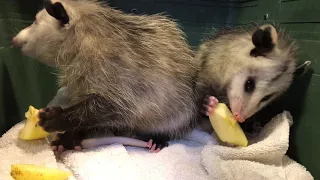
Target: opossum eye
{"x":249,"y":85}
{"x":266,"y":98}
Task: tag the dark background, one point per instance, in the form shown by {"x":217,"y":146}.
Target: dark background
{"x":24,"y":82}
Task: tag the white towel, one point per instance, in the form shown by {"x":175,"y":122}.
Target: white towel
{"x":264,"y":159}
{"x":181,"y":160}
{"x":196,"y":157}
{"x":16,"y":151}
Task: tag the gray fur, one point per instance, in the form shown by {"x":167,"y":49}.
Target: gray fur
{"x":140,"y":66}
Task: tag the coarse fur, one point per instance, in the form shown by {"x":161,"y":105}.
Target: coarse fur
{"x":124,"y":72}
{"x":230,"y":58}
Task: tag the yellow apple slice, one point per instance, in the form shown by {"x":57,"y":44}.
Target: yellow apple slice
{"x":31,"y":129}
{"x":226,"y":127}
{"x":33,"y":172}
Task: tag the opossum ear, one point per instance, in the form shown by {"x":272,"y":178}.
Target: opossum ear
{"x":57,"y":11}
{"x":264,"y":39}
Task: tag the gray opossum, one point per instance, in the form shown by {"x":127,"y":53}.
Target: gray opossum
{"x":124,"y":72}
{"x":244,"y":68}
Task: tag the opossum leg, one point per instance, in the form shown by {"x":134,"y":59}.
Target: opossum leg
{"x":155,"y":142}
{"x":85,"y":114}
{"x":209,"y":104}
{"x":68,"y":140}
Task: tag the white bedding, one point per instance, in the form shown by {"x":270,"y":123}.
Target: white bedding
{"x":196,"y":157}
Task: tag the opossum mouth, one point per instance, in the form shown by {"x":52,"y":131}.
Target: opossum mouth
{"x":23,"y":49}
{"x":242,"y":120}
{"x":22,"y":46}
{"x":245,"y":117}
{"x":238,"y":116}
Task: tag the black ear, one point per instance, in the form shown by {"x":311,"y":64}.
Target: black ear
{"x":264,"y":40}
{"x":57,"y":11}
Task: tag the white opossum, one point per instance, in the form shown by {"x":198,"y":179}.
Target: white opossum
{"x":244,"y":68}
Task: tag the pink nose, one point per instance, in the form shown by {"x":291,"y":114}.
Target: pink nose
{"x":15,"y":42}
{"x":238,"y":118}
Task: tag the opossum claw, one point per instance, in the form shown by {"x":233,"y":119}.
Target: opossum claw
{"x":69,"y":140}
{"x":153,"y":147}
{"x":157,"y":145}
{"x":157,"y":150}
{"x":209,"y":104}
{"x":149,"y":145}
{"x":78,"y":148}
{"x":60,"y":149}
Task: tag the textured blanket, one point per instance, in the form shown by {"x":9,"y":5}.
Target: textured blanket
{"x":198,"y":156}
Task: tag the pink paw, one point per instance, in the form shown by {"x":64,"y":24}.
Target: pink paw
{"x":155,"y":146}
{"x":209,"y":104}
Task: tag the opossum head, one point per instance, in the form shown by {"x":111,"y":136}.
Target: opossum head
{"x":42,"y":38}
{"x":267,"y":76}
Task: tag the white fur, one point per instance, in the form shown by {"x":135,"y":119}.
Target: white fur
{"x":34,"y":38}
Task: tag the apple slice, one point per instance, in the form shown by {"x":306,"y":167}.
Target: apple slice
{"x":226,"y":127}
{"x":33,"y":172}
{"x":31,"y":129}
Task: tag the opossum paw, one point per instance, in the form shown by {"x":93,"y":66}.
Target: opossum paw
{"x":155,"y":142}
{"x":209,"y":104}
{"x":157,"y":145}
{"x":51,"y":120}
{"x":66,"y":141}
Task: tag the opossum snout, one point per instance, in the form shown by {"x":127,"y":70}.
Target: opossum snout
{"x":237,"y":111}
{"x":17,"y":43}
{"x":238,"y":117}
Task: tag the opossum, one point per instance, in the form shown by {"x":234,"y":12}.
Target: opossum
{"x":245,"y":68}
{"x":124,"y":72}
